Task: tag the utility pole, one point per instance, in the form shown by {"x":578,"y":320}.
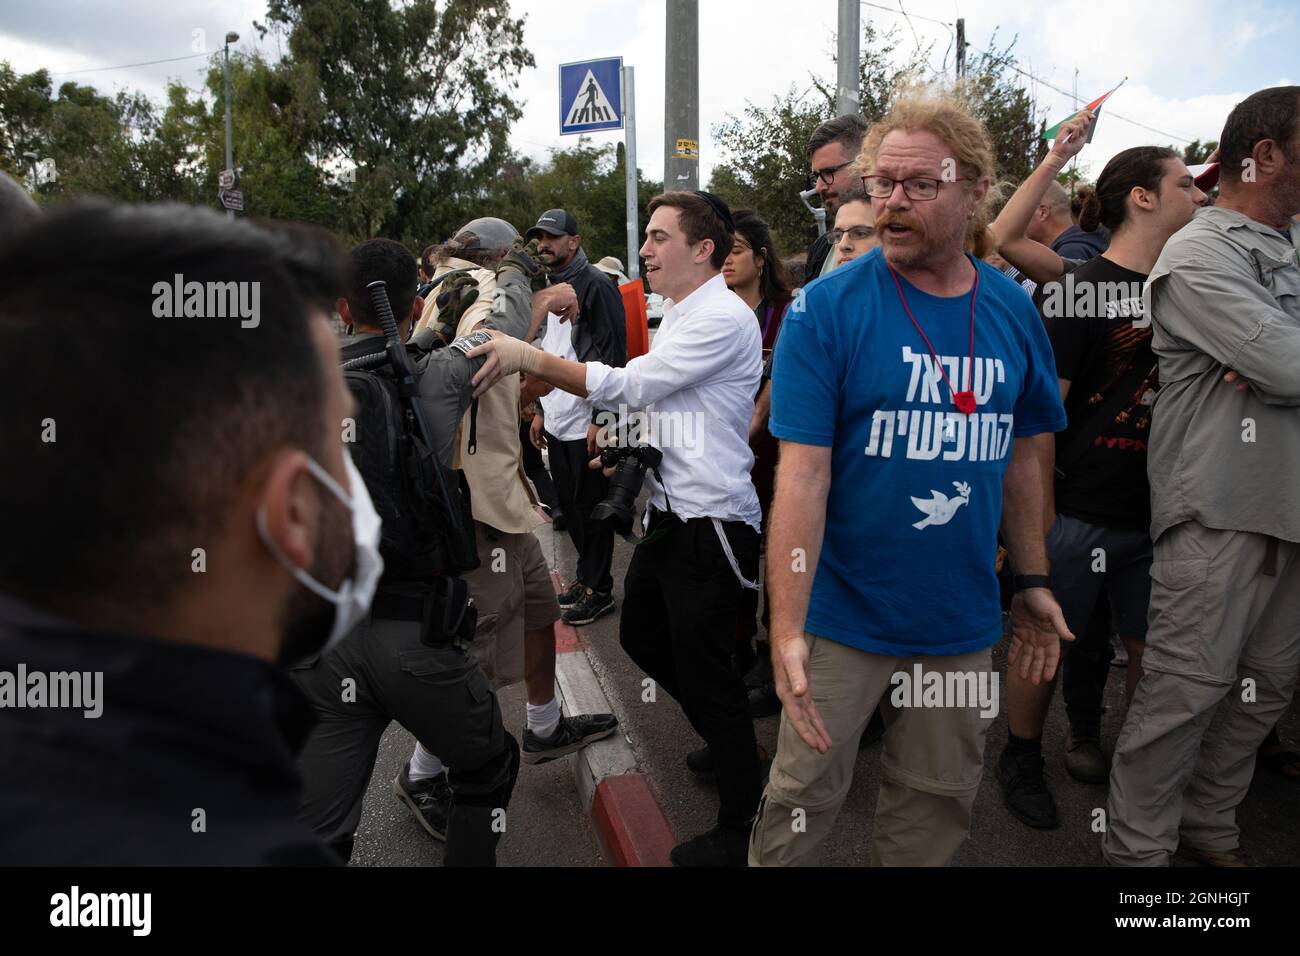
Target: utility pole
{"x":682,"y":96}
{"x":230,"y":162}
{"x":847,"y":97}
{"x":629,"y":165}
{"x":961,"y":48}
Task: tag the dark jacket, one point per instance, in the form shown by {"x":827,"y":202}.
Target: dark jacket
{"x":1074,"y":243}
{"x":817,"y":254}
{"x":182,"y":729}
{"x":600,"y":334}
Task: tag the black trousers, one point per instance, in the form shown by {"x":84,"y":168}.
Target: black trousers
{"x":1084,"y":670}
{"x":382,"y":672}
{"x":536,"y":471}
{"x":580,"y":489}
{"x":678,"y":625}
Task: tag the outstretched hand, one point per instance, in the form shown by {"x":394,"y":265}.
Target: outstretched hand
{"x":503,"y":356}
{"x":790,"y":673}
{"x":1037,"y":629}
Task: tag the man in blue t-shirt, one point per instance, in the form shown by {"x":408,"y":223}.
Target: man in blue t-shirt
{"x":906,"y":389}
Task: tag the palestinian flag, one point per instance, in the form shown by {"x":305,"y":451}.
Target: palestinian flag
{"x":1094,"y":106}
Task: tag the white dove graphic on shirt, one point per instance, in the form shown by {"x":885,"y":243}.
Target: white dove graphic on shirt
{"x":940,"y":508}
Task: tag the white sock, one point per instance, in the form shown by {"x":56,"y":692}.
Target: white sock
{"x":544,"y":719}
{"x":424,"y":764}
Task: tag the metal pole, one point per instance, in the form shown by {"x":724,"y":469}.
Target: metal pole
{"x":847,"y":98}
{"x":629,"y":164}
{"x":961,"y":48}
{"x":31,"y":158}
{"x":230,"y":163}
{"x":682,"y":94}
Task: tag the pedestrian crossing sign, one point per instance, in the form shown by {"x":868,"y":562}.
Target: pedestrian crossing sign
{"x":591,"y":95}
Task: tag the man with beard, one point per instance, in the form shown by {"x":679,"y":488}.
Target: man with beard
{"x":1223,"y":648}
{"x":915,"y":378}
{"x":566,"y":424}
{"x":175,"y":495}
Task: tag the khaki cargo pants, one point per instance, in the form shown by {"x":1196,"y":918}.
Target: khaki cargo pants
{"x":931,"y":766}
{"x":1219,"y":670}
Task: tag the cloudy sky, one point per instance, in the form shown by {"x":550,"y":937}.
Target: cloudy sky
{"x":1188,"y":61}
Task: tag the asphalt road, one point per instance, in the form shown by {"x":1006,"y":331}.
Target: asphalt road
{"x":661,"y":737}
{"x":547,"y":826}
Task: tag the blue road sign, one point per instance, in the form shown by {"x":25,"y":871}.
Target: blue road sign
{"x":591,"y":95}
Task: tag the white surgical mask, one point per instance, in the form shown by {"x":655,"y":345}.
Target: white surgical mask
{"x":352,"y":600}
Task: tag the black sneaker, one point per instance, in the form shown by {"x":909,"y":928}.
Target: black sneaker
{"x":590,"y":606}
{"x":429,"y":800}
{"x":1025,"y":790}
{"x":719,"y":847}
{"x":574,"y":733}
{"x":571,"y":595}
{"x":701,"y":762}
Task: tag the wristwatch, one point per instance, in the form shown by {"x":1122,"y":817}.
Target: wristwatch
{"x":1023,"y":582}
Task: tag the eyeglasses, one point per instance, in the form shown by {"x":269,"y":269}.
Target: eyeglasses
{"x":856,"y":233}
{"x":918,"y":188}
{"x":827,"y":175}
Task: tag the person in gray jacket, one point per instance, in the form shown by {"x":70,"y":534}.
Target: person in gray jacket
{"x":382,"y":670}
{"x":1223,"y":644}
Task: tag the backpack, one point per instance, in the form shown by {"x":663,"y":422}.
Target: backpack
{"x":420,"y":500}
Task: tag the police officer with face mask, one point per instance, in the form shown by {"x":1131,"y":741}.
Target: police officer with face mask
{"x":399,"y":663}
{"x":185,"y":521}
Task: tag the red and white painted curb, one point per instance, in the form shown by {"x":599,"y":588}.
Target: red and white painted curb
{"x":629,"y":822}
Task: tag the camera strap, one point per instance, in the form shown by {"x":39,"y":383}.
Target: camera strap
{"x":731,"y":557}
{"x":659,"y":532}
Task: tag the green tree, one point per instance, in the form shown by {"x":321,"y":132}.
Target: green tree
{"x":764,"y":162}
{"x":271,"y":132}
{"x":417,"y":99}
{"x":1197,"y":152}
{"x":587,"y":180}
{"x":117,"y":146}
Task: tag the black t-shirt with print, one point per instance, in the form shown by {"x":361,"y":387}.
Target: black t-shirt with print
{"x":1103,"y":348}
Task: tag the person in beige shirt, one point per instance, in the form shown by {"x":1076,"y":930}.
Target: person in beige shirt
{"x":511,"y":588}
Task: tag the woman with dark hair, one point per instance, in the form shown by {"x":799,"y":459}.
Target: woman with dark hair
{"x":754,"y":272}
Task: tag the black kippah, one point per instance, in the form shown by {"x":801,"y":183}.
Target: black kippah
{"x":719,"y":207}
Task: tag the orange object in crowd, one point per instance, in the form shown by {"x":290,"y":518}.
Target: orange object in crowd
{"x":638,"y":328}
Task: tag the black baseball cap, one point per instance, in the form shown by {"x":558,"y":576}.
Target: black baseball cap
{"x":555,"y":222}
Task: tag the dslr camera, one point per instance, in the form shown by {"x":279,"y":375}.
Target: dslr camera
{"x":630,"y":463}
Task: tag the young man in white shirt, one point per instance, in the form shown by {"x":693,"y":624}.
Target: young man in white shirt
{"x":684,"y":585}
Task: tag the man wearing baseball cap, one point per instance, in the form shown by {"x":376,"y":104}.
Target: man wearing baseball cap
{"x":565,"y":423}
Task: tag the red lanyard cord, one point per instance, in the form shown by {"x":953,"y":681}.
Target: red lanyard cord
{"x":964,"y":400}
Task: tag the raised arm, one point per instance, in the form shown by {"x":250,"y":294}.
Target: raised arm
{"x":1034,"y":259}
